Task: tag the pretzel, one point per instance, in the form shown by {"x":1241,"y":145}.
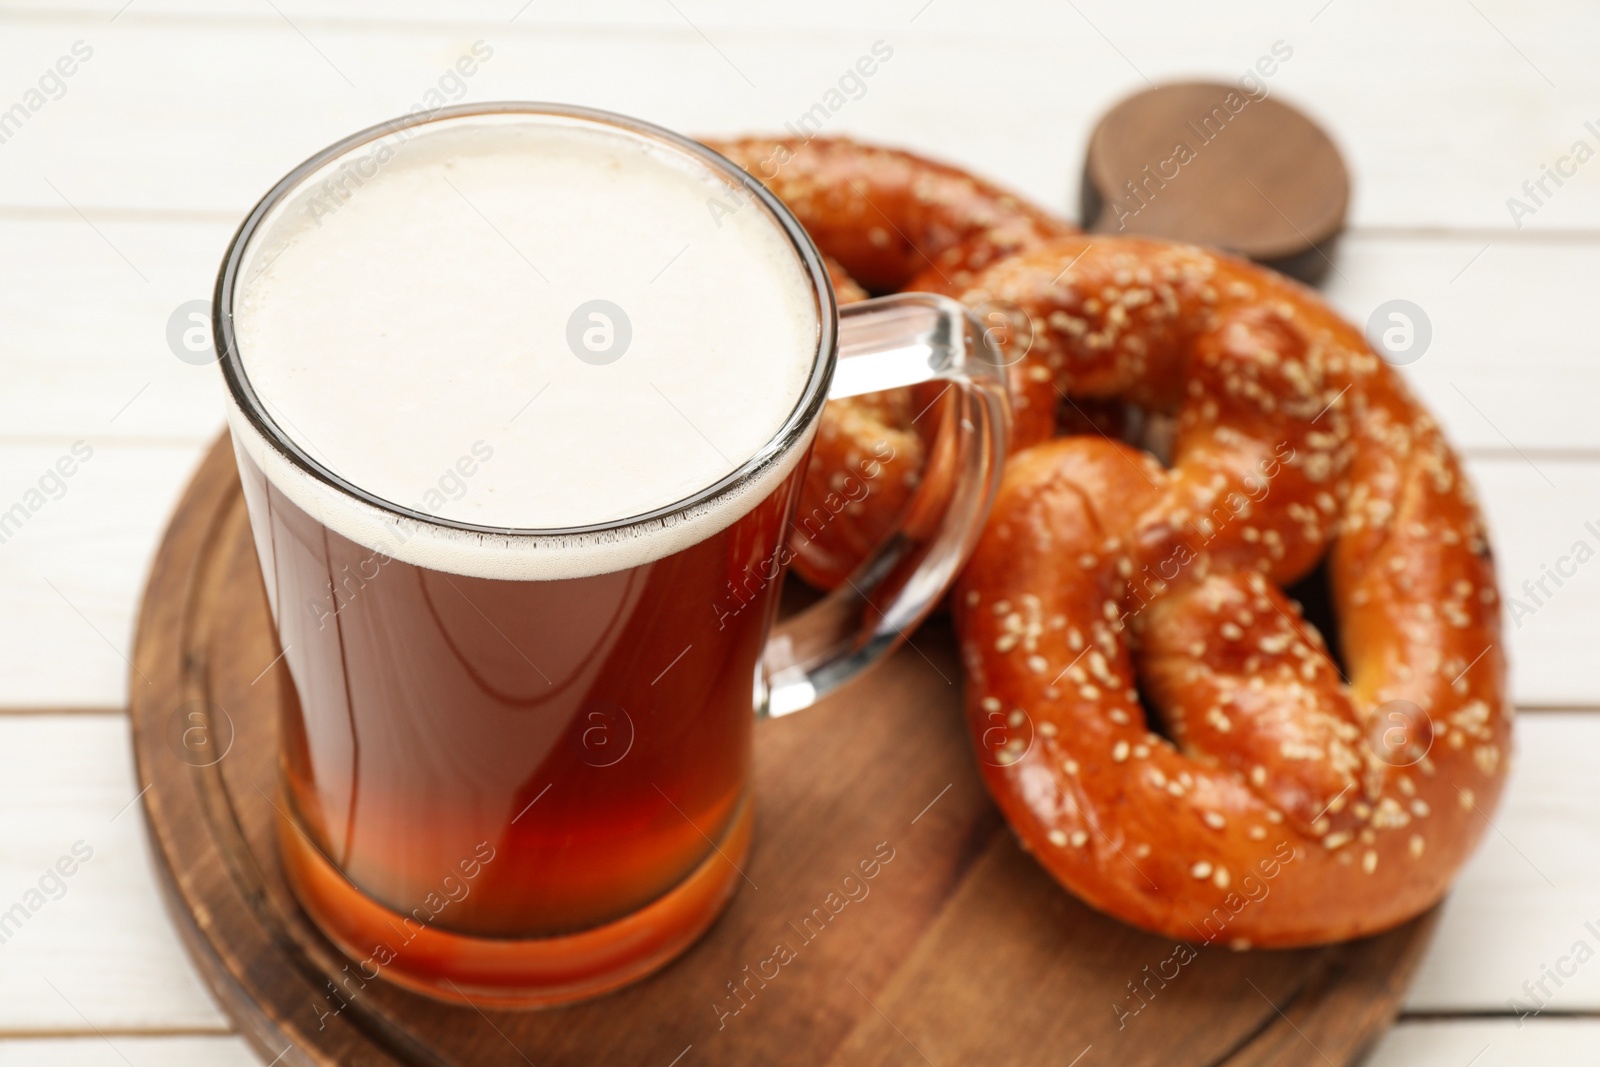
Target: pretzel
{"x":1264,"y":799}
{"x":866,"y":462}
{"x":888,"y":221}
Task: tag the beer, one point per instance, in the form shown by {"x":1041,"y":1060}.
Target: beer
{"x":553,"y":719}
{"x":521,"y":398}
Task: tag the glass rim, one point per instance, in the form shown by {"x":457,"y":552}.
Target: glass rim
{"x":799,"y":420}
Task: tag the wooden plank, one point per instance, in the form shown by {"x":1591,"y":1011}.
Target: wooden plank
{"x":70,"y":306}
{"x":1391,"y":85}
{"x":1540,"y":511}
{"x":95,"y":948}
{"x":70,"y":577}
{"x":1488,"y":1043}
{"x":1529,"y":894}
{"x":73,"y":310}
{"x":1510,"y":364}
{"x":1450,"y":1043}
{"x":119,"y":1050}
{"x":109,"y":947}
{"x":95,"y":543}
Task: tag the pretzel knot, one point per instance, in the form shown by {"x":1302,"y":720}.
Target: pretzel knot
{"x":1165,"y":731}
{"x":1160,"y":724}
{"x":888,"y":221}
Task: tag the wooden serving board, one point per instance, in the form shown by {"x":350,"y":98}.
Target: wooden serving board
{"x":961,"y":951}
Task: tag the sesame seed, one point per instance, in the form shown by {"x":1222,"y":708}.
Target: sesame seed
{"x":1119,"y":751}
{"x":1057,"y":838}
{"x":1275,"y":643}
{"x":1079,"y":838}
{"x":1221,"y":878}
{"x":1214,"y":820}
{"x":1369,"y":862}
{"x":1417,"y":844}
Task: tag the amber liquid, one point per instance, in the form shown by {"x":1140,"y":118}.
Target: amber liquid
{"x":592,"y":735}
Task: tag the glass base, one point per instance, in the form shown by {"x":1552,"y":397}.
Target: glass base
{"x":509,"y":972}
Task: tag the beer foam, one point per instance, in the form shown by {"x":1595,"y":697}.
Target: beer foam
{"x":526,"y":323}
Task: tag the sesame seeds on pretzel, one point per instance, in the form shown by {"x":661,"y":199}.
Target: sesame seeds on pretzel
{"x":1272,"y":801}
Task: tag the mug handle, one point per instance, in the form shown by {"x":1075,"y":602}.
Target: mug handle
{"x":893,"y":341}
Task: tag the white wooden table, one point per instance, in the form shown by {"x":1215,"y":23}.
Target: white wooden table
{"x":119,"y":190}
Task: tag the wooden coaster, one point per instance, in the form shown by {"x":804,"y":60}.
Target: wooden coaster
{"x":1214,"y":165}
{"x":960,"y":950}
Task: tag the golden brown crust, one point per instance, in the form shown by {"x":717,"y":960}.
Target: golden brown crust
{"x":866,"y":461}
{"x":893,"y":219}
{"x":887,"y":221}
{"x":1289,"y":806}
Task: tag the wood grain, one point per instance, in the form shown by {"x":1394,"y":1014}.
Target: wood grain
{"x":1438,"y":115}
{"x":1216,"y":164}
{"x":1444,"y":109}
{"x":961,"y":942}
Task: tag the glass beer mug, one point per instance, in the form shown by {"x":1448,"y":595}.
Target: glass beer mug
{"x":522,"y":421}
